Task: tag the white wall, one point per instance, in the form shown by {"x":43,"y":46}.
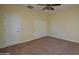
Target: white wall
{"x":33,"y":25}
{"x":40,"y":28}
{"x":65,"y":24}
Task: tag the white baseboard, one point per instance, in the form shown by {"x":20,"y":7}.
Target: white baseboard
{"x":64,"y":38}
{"x":4,"y":46}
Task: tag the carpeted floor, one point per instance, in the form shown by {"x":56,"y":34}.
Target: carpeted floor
{"x":43,"y":46}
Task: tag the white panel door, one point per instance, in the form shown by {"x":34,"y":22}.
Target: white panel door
{"x":12,"y":29}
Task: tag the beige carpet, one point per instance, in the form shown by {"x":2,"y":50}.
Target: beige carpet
{"x":43,"y":46}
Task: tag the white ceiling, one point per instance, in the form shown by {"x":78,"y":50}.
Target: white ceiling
{"x":57,"y":8}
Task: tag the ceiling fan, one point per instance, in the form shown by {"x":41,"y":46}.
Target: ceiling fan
{"x":49,"y":6}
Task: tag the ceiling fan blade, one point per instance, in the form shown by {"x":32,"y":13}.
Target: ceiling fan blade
{"x":51,"y":8}
{"x":42,"y":4}
{"x":55,"y":4}
{"x":30,"y":7}
{"x":48,"y":4}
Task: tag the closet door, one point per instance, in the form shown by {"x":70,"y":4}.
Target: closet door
{"x":12,"y":29}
